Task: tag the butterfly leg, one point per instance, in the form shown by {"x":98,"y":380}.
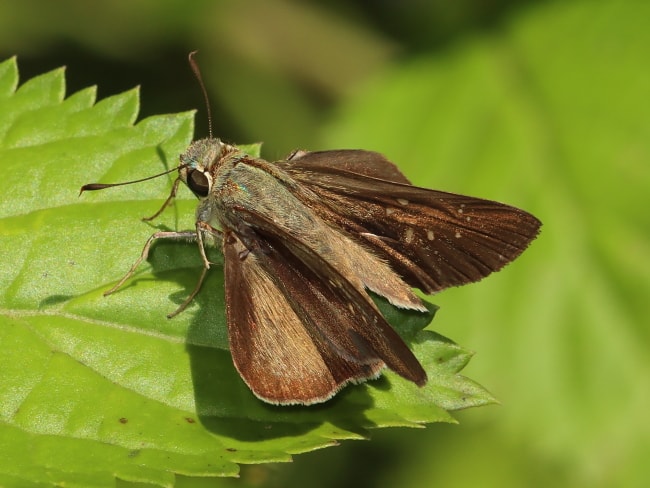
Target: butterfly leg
{"x":171,"y":196}
{"x":186,"y":235}
{"x":203,"y":231}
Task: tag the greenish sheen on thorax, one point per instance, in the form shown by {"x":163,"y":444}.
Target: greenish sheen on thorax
{"x":258,"y":186}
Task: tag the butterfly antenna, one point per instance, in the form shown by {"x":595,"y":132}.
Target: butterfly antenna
{"x":197,"y":72}
{"x":101,"y":186}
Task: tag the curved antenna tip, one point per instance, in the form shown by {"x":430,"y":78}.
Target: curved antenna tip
{"x":197,"y":72}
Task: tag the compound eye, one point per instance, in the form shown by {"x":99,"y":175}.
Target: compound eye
{"x":198,"y":182}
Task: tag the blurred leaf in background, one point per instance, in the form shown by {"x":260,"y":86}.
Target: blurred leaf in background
{"x":540,"y":104}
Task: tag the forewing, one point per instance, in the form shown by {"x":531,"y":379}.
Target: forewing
{"x":297,"y":337}
{"x":366,"y":163}
{"x":433,"y":239}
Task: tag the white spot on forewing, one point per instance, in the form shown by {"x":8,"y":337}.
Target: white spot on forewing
{"x":402,"y":201}
{"x":390,"y":211}
{"x":457,"y":235}
{"x":408,"y":235}
{"x":430,"y":235}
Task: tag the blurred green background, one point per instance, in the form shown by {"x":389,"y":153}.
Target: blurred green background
{"x":545,"y":105}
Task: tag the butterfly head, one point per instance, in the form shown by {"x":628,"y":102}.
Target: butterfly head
{"x":199,"y":162}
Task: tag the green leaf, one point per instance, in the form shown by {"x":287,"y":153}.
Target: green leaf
{"x":254,"y":150}
{"x":95,"y":388}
